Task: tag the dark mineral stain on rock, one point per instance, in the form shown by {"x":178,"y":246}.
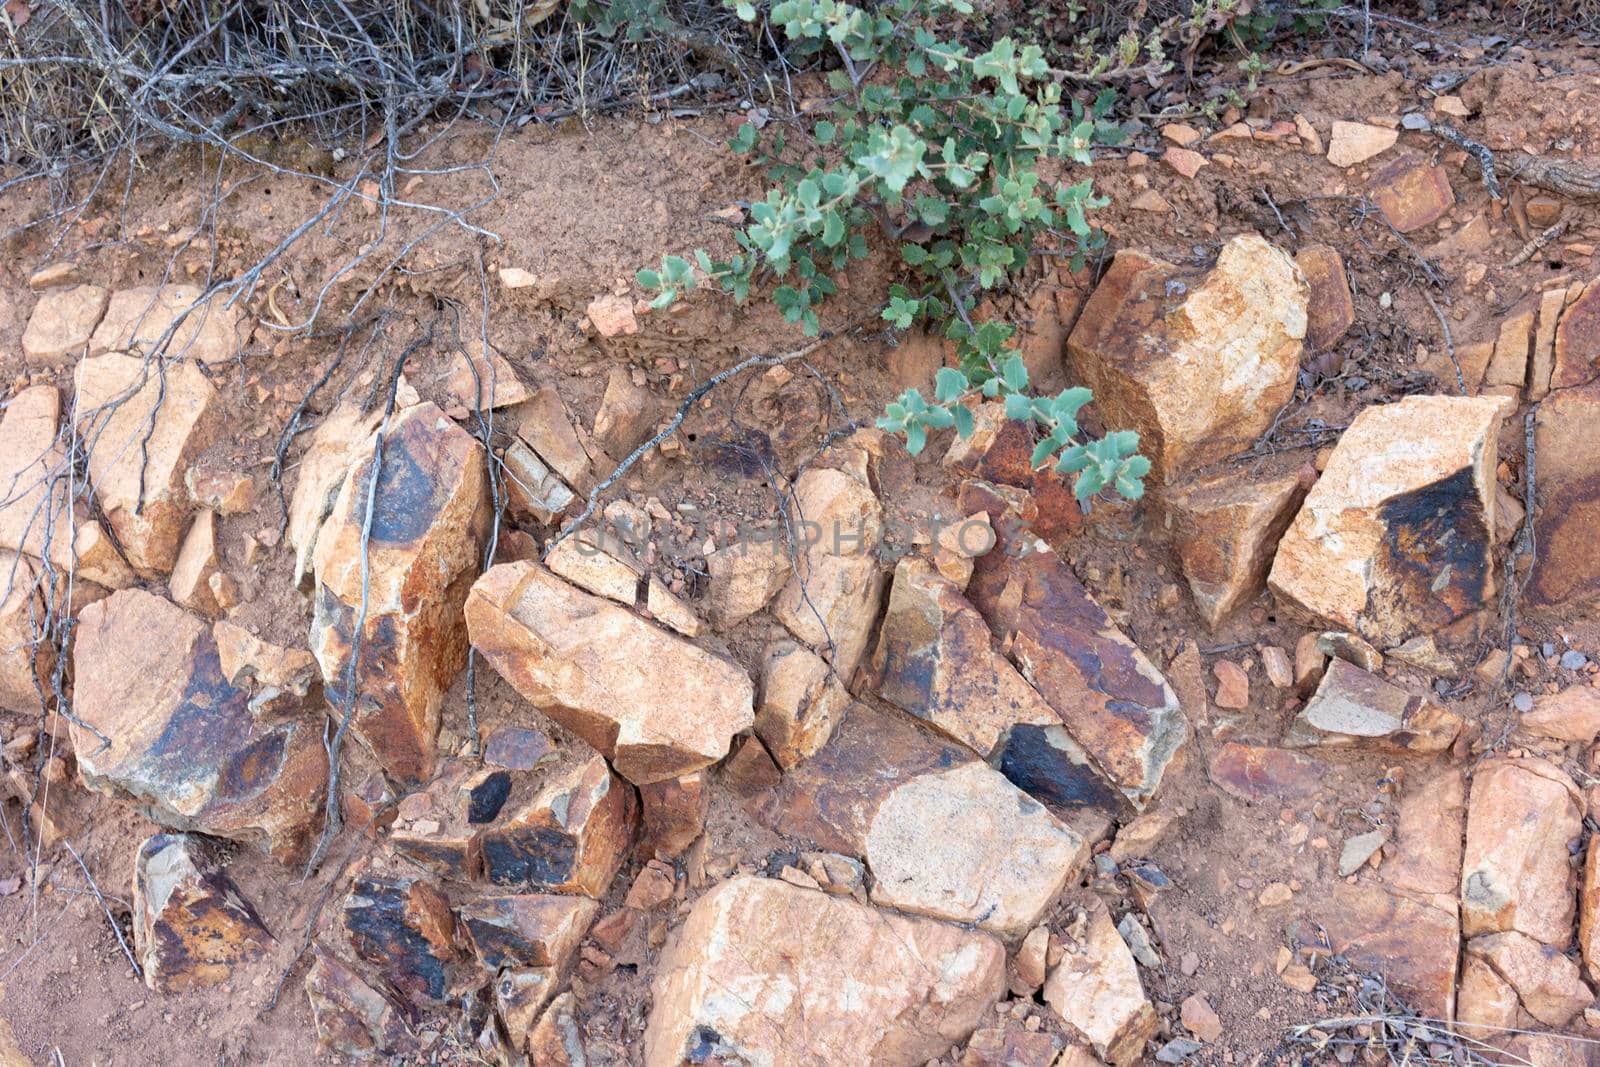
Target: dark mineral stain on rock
{"x":386,"y":930}
{"x":1042,"y":762}
{"x":488,"y":797}
{"x":404,"y":509}
{"x":533,"y":856}
{"x":1433,"y":565}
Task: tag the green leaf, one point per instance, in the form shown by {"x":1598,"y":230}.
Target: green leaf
{"x":963,"y":415}
{"x":824,"y":132}
{"x":916,"y":439}
{"x":949,"y":384}
{"x":648,"y":279}
{"x":1014,"y":371}
{"x":1018,"y":406}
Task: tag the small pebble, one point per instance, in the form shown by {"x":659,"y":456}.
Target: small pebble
{"x":1573,"y":660}
{"x":1523,"y":702}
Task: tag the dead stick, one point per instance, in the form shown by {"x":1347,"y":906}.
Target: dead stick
{"x":112,"y":919}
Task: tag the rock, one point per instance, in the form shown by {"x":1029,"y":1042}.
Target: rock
{"x":137,"y":320}
{"x":1542,"y":360}
{"x":604,"y":573}
{"x":404,"y":927}
{"x":557,"y":1039}
{"x":1028,"y":966}
{"x":943,"y":834}
{"x":1423,"y":652}
{"x":1113,"y":701}
{"x":1138,"y":942}
{"x":626,"y":414}
{"x":191,"y":925}
{"x":1425,"y":860}
{"x":143,"y":427}
{"x":1411,"y":192}
{"x":612,"y":316}
{"x":526,"y":930}
{"x":1203,"y":379}
{"x":1358,"y":849}
{"x":544,"y":424}
{"x":1011,"y":1047}
{"x":1280,"y":672}
{"x":1047,"y":764}
{"x":571,"y":838}
{"x":518,"y":748}
{"x":1330,"y":311}
{"x":1570,"y":715}
{"x":1484,"y":999}
{"x":482,"y":380}
{"x":1184,"y":161}
{"x":221,"y":489}
{"x":935,"y":660}
{"x":27,"y":655}
{"x":1357,"y":142}
{"x":58,"y":274}
{"x":1096,"y":991}
{"x":430,"y":514}
{"x":184,"y":744}
{"x":1353,"y":707}
{"x":1546,"y":981}
{"x":673,"y":814}
{"x":652,"y":888}
{"x":1576,"y":361}
{"x":1413,"y":943}
{"x":831,"y":601}
{"x":1309,"y":661}
{"x":1233,"y":685}
{"x":1336,"y":644}
{"x":532,"y":489}
{"x":1151,"y":201}
{"x":1178,"y":1050}
{"x":1566,"y":569}
{"x":279,"y":679}
{"x":799,"y":704}
{"x":917,"y":987}
{"x":1396,"y":537}
{"x":596,"y":669}
{"x":340,"y":440}
{"x":1227,"y":530}
{"x":1589,"y":913}
{"x":744,"y":576}
{"x":750,"y":771}
{"x":1180,"y":134}
{"x":1515,"y":877}
{"x":190,"y":583}
{"x":1260,"y":775}
{"x":1199,"y":1018}
{"x":957,"y":545}
{"x":352,"y":1017}
{"x":62,"y":322}
{"x":1298,"y":976}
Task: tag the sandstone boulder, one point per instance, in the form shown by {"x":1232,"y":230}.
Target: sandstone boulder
{"x":532,"y":489}
{"x":1523,"y":815}
{"x":191,"y":925}
{"x":862,"y":985}
{"x":401,"y":576}
{"x":352,"y":1017}
{"x":545,"y":426}
{"x":1225,"y":531}
{"x":62,"y":322}
{"x":1199,"y":367}
{"x":1570,"y":715}
{"x":1411,"y":192}
{"x":196,"y":565}
{"x":1397,"y":536}
{"x":744,"y":576}
{"x":557,"y":1039}
{"x":482,"y":380}
{"x":1566,"y":568}
{"x":1576,"y":358}
{"x":138,"y":320}
{"x":1354,"y":707}
{"x":626,"y":414}
{"x":181,"y":741}
{"x":1096,"y":991}
{"x":1427,"y":846}
{"x":598,"y":669}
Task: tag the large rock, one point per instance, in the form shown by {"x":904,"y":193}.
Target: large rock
{"x":1226,"y":531}
{"x":1570,"y":715}
{"x":1199,"y":367}
{"x":1566,"y":568}
{"x":182,"y":742}
{"x":404,"y":927}
{"x":1413,"y":942}
{"x":1589,"y":914}
{"x":831,"y":601}
{"x":142,"y":425}
{"x":1546,"y":981}
{"x":1355,"y":707}
{"x":1427,"y":845}
{"x":1096,"y":991}
{"x":62,"y":322}
{"x":766,"y":972}
{"x":743,"y":576}
{"x":1113,"y":701}
{"x":191,"y":925}
{"x":944,"y":834}
{"x":572,"y":837}
{"x":800,"y":702}
{"x":402,"y":576}
{"x":526,"y":930}
{"x":353,"y":1017}
{"x":1576,"y":358}
{"x":140,"y":319}
{"x":653,"y":703}
{"x":1523,"y":816}
{"x":1396,"y":538}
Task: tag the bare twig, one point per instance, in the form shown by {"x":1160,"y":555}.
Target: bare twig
{"x":110,"y":918}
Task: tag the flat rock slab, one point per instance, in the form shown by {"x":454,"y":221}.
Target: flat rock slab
{"x":62,"y":322}
{"x":1396,"y":539}
{"x":353,"y":1017}
{"x":403,"y":579}
{"x":1355,"y":707}
{"x":655,"y":704}
{"x":862,"y":985}
{"x":181,"y":741}
{"x":943,"y":834}
{"x":191,"y":925}
{"x":140,"y":319}
{"x":1566,"y":569}
{"x":1264,"y":775}
{"x":1096,"y":991}
{"x":1198,"y":366}
{"x":1522,"y":818}
{"x":1413,"y":943}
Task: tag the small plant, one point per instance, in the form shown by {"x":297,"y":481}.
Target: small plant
{"x":938,"y":148}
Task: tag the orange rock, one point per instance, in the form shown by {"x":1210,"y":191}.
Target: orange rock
{"x":612,"y":315}
{"x":527,"y":930}
{"x":1427,"y":846}
{"x":1577,"y":341}
{"x":673,"y":814}
{"x":1570,"y":715}
{"x":1542,"y":362}
{"x":1546,"y":981}
{"x":625,"y":416}
{"x":191,"y":924}
{"x":1184,"y":161}
{"x":1566,"y":569}
{"x":1259,"y":775}
{"x":571,"y":838}
{"x":1522,"y":816}
{"x":1589,"y":914}
{"x":27,"y":654}
{"x":1330,"y":310}
{"x":1233,"y":685}
{"x":1226,"y":531}
{"x":190,"y":583}
{"x":62,"y":322}
{"x":544,"y":423}
{"x":353,"y":1017}
{"x":1508,"y":368}
{"x":799,"y":704}
{"x":1413,"y":942}
{"x":140,"y":320}
{"x":1411,"y":193}
{"x":480,"y":381}
{"x":1355,"y":707}
{"x":1357,"y":142}
{"x":1096,"y":990}
{"x":557,"y":1039}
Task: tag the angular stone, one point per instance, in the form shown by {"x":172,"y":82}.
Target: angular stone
{"x":1233,"y":685}
{"x":520,"y":995}
{"x":612,"y":315}
{"x":1011,"y":1047}
{"x":279,"y":679}
{"x":604,"y":573}
{"x":190,"y":583}
{"x":1589,"y":914}
{"x":557,"y":1039}
{"x":1429,"y":826}
{"x":1577,"y":340}
{"x":225,"y":490}
{"x":1047,"y":764}
{"x":668,"y":608}
{"x":1396,"y":537}
{"x":1507,"y":371}
{"x":1542,"y":362}
{"x":1199,"y":370}
{"x":336,"y":446}
{"x":1330,"y":311}
{"x":1354,"y":707}
{"x":957,"y":545}
{"x":1546,"y":981}
{"x":191,"y":925}
{"x":744,"y":576}
{"x":1411,"y":192}
{"x":137,"y":320}
{"x":1096,"y":990}
{"x":1199,"y":1018}
{"x":673,"y":814}
{"x":799,"y":704}
{"x":352,"y":1017}
{"x":531,"y":488}
{"x":526,"y":930}
{"x":482,"y":379}
{"x":625,"y":416}
{"x":1260,"y":775}
{"x":1111,"y":698}
{"x":1522,"y":816}
{"x":544,"y":423}
{"x":1570,"y":715}
{"x":832,"y":600}
{"x":184,"y":744}
{"x":571,"y":838}
{"x":62,"y":322}
{"x":862,"y":985}
{"x":518,"y":748}
{"x":1184,"y":161}
{"x":143,"y":425}
{"x":404,"y":927}
{"x":943,"y":834}
{"x":440,"y":829}
{"x":1412,"y":943}
{"x":27,"y":655}
{"x":597,"y":669}
{"x":1357,"y":142}
{"x":1484,"y":1000}
{"x":1566,"y":569}
{"x":403,"y":577}
{"x":935,"y":659}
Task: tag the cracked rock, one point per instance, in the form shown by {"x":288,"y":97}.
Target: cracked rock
{"x":191,"y":925}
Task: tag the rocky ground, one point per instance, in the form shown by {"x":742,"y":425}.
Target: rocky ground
{"x":801,"y":750}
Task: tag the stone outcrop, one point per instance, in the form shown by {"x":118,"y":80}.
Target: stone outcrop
{"x":672,"y":814}
{"x":572,"y":837}
{"x":1199,"y":367}
{"x":1522,"y":817}
{"x":402,"y":576}
{"x":526,"y":930}
{"x":1225,"y":531}
{"x":353,"y":1017}
{"x":183,"y":742}
{"x":862,"y":985}
{"x":1096,"y":991}
{"x":1397,"y":536}
{"x":1545,"y":980}
{"x":1576,"y":360}
{"x":138,"y":320}
{"x":191,"y":925}
{"x":744,"y":576}
{"x":405,"y":929}
{"x":598,"y":669}
{"x":1354,"y":707}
